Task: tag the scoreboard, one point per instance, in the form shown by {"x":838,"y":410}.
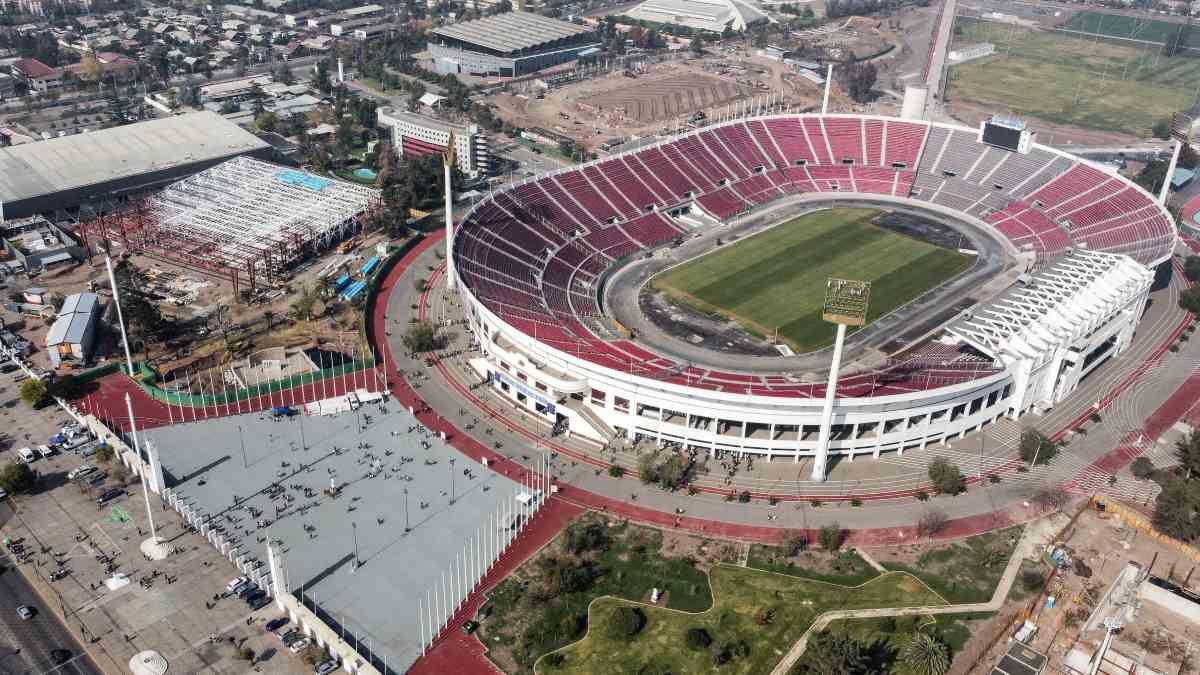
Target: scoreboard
{"x":1004,"y":133}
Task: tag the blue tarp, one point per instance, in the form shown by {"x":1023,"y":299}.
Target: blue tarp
{"x":342,"y":282}
{"x":366,"y":269}
{"x":304,"y":180}
{"x":355,"y":288}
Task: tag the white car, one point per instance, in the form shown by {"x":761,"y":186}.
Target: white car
{"x":235,"y":583}
{"x":299,"y":645}
{"x":79,"y":471}
{"x":26,"y":455}
{"x":44,"y":450}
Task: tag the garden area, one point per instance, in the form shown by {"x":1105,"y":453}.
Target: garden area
{"x":587,"y":603}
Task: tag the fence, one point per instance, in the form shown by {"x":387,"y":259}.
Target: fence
{"x":146,"y":376}
{"x":1133,"y":518}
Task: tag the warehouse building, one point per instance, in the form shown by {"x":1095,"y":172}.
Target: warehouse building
{"x":713,"y":16}
{"x":508,"y":45}
{"x":64,"y":173}
{"x":73,"y":334}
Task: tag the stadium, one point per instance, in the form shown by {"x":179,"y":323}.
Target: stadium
{"x":1068,"y":254}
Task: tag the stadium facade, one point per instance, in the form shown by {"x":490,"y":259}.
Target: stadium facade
{"x":64,"y":173}
{"x":509,"y":45}
{"x":714,"y":16}
{"x":531,"y":264}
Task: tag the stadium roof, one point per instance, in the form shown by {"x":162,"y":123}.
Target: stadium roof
{"x":709,"y":15}
{"x":36,"y":169}
{"x":511,"y":31}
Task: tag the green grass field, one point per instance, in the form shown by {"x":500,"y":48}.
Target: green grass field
{"x":1135,"y":28}
{"x":776,"y":279}
{"x":740,"y":597}
{"x":1086,"y":82}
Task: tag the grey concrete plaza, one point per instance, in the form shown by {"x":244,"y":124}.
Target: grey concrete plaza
{"x":259,"y":476}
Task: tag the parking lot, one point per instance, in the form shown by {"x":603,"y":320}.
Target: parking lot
{"x":176,"y":607}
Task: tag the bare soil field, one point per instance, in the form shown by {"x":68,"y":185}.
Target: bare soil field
{"x":653,"y":100}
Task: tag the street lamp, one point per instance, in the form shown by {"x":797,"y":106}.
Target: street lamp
{"x":452,"y":481}
{"x":407,"y":529}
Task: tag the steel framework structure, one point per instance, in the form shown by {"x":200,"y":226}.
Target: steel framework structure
{"x":243,"y":216}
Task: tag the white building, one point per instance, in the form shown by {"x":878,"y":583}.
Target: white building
{"x":416,"y":135}
{"x":710,"y":15}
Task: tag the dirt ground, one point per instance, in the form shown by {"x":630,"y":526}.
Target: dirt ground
{"x":205,"y":304}
{"x":1105,"y":545}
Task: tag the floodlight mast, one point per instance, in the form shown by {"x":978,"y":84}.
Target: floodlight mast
{"x":845,"y":305}
{"x":447,"y":163}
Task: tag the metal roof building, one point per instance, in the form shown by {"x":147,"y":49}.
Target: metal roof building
{"x":74,"y":331}
{"x":66,"y":172}
{"x":510,"y":44}
{"x":708,"y":15}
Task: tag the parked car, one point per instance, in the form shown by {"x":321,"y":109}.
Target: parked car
{"x":60,"y":656}
{"x":80,"y":471}
{"x":260,"y":602}
{"x":3,"y":495}
{"x":234,"y":583}
{"x":44,"y":450}
{"x":25,"y":612}
{"x":327,"y":667}
{"x":246,"y":590}
{"x":109,"y":495}
{"x":254,"y":595}
{"x":298,"y":646}
{"x":275,"y":624}
{"x":290,"y":636}
{"x":26,"y":455}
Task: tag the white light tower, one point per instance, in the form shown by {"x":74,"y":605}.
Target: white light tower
{"x":112,"y":281}
{"x":153,"y":548}
{"x":845,"y":305}
{"x":447,"y":163}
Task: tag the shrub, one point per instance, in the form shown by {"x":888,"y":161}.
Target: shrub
{"x":931,"y":522}
{"x":816,"y":503}
{"x":1032,"y":580}
{"x":1142,"y":468}
{"x":555,"y":659}
{"x":832,"y":537}
{"x":946,"y":477}
{"x":17,"y":477}
{"x":794,"y":543}
{"x":590,"y":537}
{"x":627,"y":622}
{"x":616,"y":471}
{"x":922,"y":496}
{"x":697,"y":639}
{"x":744,"y":497}
{"x":856,"y":502}
{"x":1036,"y":448}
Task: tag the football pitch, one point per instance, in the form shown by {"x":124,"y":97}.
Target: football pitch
{"x":1088,"y":82}
{"x":776,"y":279}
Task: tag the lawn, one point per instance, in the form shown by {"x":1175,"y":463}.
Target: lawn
{"x":884,"y":638}
{"x":743,"y":598}
{"x":846,"y":568}
{"x":776,"y":279}
{"x":1086,"y":82}
{"x":962,"y":571}
{"x":1137,"y":28}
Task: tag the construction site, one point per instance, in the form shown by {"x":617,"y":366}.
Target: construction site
{"x":245,"y":221}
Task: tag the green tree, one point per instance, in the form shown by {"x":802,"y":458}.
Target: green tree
{"x":266,"y":121}
{"x":33,"y":391}
{"x":304,"y":308}
{"x":583,"y":538}
{"x":697,"y":639}
{"x":626,"y":622}
{"x":17,"y":478}
{"x":832,"y":654}
{"x":1175,"y":510}
{"x":946,"y":477}
{"x":420,"y":337}
{"x":926,"y":655}
{"x":1142,"y":468}
{"x":1187,"y":451}
{"x":647,"y":469}
{"x":1162,"y":128}
{"x":1036,"y":449}
{"x":1191,"y":268}
{"x":831,"y":537}
{"x":1189,"y":300}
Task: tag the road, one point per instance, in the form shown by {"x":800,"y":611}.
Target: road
{"x":34,"y":638}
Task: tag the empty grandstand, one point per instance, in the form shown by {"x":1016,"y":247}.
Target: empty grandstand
{"x":531,"y":262}
{"x":244,"y":216}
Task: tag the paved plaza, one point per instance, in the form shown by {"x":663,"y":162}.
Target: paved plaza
{"x":258,"y":475}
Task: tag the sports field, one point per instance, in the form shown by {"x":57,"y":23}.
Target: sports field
{"x":1134,"y":27}
{"x":776,"y":279}
{"x":1086,"y":82}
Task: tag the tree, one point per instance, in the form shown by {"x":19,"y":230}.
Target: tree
{"x":794,"y":543}
{"x":583,"y":538}
{"x":1036,"y":449}
{"x":931,"y":522}
{"x":672,"y":473}
{"x":1142,"y":468}
{"x":33,"y":391}
{"x":926,"y":655}
{"x":946,"y":477}
{"x":89,"y":68}
{"x":858,"y":79}
{"x":1175,"y":510}
{"x":142,"y":316}
{"x":17,"y":478}
{"x":1162,"y":128}
{"x":1189,"y":300}
{"x":832,"y":654}
{"x":831,"y":537}
{"x":266,"y":121}
{"x":421,"y":337}
{"x":647,"y":469}
{"x":697,"y":45}
{"x":697,"y":639}
{"x":1187,"y":451}
{"x":627,"y":622}
{"x":304,"y":308}
{"x":1191,"y":268}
